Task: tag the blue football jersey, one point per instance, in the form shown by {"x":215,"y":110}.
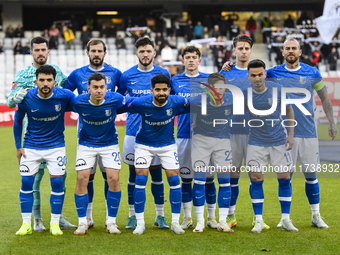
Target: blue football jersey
{"x":137,"y":83}
{"x":268,"y":130}
{"x":238,"y":77}
{"x":204,"y":124}
{"x":157,"y":125}
{"x":78,"y":79}
{"x":45,"y":128}
{"x":99,"y":127}
{"x":183,"y":85}
{"x":306,"y":77}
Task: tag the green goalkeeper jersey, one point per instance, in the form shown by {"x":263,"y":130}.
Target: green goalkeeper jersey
{"x":25,"y":79}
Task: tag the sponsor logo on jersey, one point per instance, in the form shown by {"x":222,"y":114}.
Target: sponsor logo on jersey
{"x":140,"y":161}
{"x":108,"y":112}
{"x":169,"y":112}
{"x":199,"y":165}
{"x":108,"y":79}
{"x":303,"y":80}
{"x":270,"y":101}
{"x":14,"y":84}
{"x":80,"y":162}
{"x":24,"y":169}
{"x":57,"y":107}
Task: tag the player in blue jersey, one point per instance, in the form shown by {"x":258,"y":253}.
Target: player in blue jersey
{"x":44,"y":139}
{"x":78,"y":79}
{"x":136,"y":83}
{"x":239,"y":133}
{"x":298,"y":75}
{"x":156,"y":137}
{"x":98,"y":136}
{"x":211,"y":143}
{"x":268,"y":141}
{"x":24,"y":80}
{"x":183,"y":85}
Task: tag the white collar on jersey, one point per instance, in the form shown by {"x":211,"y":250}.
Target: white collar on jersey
{"x":96,"y":70}
{"x":159,"y":105}
{"x":195,"y":75}
{"x":96,"y":104}
{"x":293,"y":70}
{"x":259,"y":93}
{"x":145,"y":71}
{"x":240,"y":68}
{"x":45,"y":98}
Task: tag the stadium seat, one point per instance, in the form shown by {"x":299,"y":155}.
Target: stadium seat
{"x":121,"y":52}
{"x":2,"y":34}
{"x":28,"y":34}
{"x":338,"y":73}
{"x":53,"y":52}
{"x":78,"y":47}
{"x":8,"y":44}
{"x":322,"y":67}
{"x":324,"y":74}
{"x":36,"y":33}
{"x":95,"y":34}
{"x":111,"y":40}
{"x":61,"y":46}
{"x":70,"y":52}
{"x":332,"y":73}
{"x":27,"y":60}
{"x":210,"y":69}
{"x":129,"y":40}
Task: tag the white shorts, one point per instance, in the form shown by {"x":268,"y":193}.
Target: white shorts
{"x":239,"y":144}
{"x":86,"y":157}
{"x":258,"y":158}
{"x":308,"y":151}
{"x":184,"y":158}
{"x":129,"y":152}
{"x":167,"y":155}
{"x":206,"y":150}
{"x":100,"y":164}
{"x":55,"y":161}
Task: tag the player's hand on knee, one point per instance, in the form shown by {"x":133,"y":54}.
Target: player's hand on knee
{"x":227,"y":66}
{"x":20,"y":95}
{"x":20,"y":153}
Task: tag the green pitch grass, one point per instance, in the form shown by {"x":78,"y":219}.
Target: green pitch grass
{"x":155,"y":241}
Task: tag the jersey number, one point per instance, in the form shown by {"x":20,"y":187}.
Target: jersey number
{"x":116,"y":156}
{"x":228,"y":154}
{"x":61,"y":161}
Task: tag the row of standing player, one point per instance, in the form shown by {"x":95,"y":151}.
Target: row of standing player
{"x":128,"y":156}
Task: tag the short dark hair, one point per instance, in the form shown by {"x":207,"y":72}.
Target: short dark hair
{"x":160,"y":78}
{"x":38,"y":40}
{"x":143,"y":41}
{"x":97,"y":76}
{"x":95,"y":41}
{"x":215,"y":77}
{"x":243,"y":38}
{"x":46,"y":69}
{"x":191,"y":49}
{"x":256,"y":63}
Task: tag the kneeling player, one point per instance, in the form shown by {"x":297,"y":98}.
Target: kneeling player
{"x":97,"y":137}
{"x":156,"y":137}
{"x":268,"y":141}
{"x":44,"y":139}
{"x":211,"y":143}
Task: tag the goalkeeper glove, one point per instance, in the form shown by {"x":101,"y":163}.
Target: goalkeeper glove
{"x":19,"y":96}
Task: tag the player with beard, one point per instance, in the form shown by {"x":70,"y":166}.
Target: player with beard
{"x":78,"y":79}
{"x":136,"y":82}
{"x":155,"y":137}
{"x":23,"y":81}
{"x":294,"y":74}
{"x":44,"y":107}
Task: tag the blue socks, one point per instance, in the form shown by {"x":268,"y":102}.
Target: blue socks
{"x":175,"y":194}
{"x":82,"y":201}
{"x":224,"y":191}
{"x":234,"y":194}
{"x":57,"y":195}
{"x":186,"y":190}
{"x":285,"y":196}
{"x":26,"y":194}
{"x":113,"y":201}
{"x":257,"y":197}
{"x":139,"y":194}
{"x":157,"y":186}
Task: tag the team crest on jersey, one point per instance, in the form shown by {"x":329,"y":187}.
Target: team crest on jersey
{"x":303,"y":80}
{"x":270,"y":101}
{"x":108,"y":112}
{"x":169,"y":112}
{"x":108,"y":79}
{"x":57,"y":107}
{"x":14,"y":84}
{"x":227,"y":112}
